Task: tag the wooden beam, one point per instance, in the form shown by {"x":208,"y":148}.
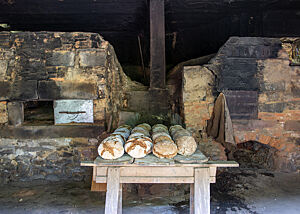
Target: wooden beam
{"x":157,"y":44}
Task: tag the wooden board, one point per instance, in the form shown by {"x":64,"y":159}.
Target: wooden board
{"x":125,"y":159}
{"x":152,"y":160}
{"x":150,"y":180}
{"x":197,"y":157}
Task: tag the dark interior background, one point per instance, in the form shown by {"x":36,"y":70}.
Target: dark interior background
{"x":193,"y":27}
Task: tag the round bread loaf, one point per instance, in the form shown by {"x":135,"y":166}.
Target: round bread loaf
{"x":165,"y":149}
{"x":138,"y":147}
{"x":140,"y":130}
{"x":185,"y":142}
{"x":159,"y":134}
{"x":145,"y":126}
{"x":160,"y":128}
{"x":112,"y":147}
{"x":163,"y":145}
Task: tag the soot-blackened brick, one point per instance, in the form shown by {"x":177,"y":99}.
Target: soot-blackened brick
{"x":24,"y":90}
{"x":273,"y":107}
{"x":90,"y":58}
{"x":60,"y":58}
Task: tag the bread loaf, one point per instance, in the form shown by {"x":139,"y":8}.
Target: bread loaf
{"x":138,"y":147}
{"x":164,"y":146}
{"x":139,"y":143}
{"x":185,"y":142}
{"x":112,"y":147}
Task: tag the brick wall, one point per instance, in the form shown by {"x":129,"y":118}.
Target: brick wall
{"x":252,"y":64}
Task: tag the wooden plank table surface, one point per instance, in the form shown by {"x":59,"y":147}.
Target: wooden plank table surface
{"x":195,"y":170}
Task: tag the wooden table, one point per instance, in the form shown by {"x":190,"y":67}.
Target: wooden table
{"x":154,"y":170}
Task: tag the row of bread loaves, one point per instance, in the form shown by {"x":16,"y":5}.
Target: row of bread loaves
{"x":186,"y":143}
{"x":164,"y":146}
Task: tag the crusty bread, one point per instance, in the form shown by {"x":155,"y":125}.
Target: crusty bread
{"x":156,"y":135}
{"x":185,"y":142}
{"x":139,"y":143}
{"x":145,"y":126}
{"x":140,"y":130}
{"x":138,"y":147}
{"x":164,"y":146}
{"x":165,"y":149}
{"x":112,"y":147}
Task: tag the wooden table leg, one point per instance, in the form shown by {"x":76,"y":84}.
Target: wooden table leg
{"x":201,"y":191}
{"x":191,"y":198}
{"x":113,"y":190}
{"x":120,"y":200}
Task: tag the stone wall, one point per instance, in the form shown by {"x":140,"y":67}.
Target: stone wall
{"x":251,"y":64}
{"x":50,"y":159}
{"x":50,"y":66}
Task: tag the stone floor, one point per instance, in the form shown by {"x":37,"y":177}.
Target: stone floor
{"x":236,"y":191}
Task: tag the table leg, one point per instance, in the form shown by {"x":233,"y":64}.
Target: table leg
{"x":191,"y":198}
{"x":201,"y":191}
{"x":120,"y":200}
{"x":113,"y":190}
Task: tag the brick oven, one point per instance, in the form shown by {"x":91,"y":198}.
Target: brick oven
{"x":260,"y":79}
{"x":58,"y":92}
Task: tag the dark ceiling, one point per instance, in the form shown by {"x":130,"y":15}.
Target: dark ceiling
{"x":193,"y":27}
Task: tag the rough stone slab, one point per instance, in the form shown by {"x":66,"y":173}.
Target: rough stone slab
{"x":38,"y":132}
{"x":125,"y":159}
{"x":153,"y":160}
{"x":91,"y":58}
{"x":197,"y":157}
{"x":60,"y":58}
{"x":55,"y":90}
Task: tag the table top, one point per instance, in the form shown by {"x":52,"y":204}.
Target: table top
{"x":196,"y":160}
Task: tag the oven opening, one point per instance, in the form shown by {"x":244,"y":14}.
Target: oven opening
{"x":38,"y":113}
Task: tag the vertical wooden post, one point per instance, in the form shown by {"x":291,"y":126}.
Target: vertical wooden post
{"x":120,"y":200}
{"x":113,"y":190}
{"x":157,"y":44}
{"x":192,"y":199}
{"x":201,"y":191}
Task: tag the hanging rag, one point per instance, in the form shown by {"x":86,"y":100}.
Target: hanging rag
{"x":219,"y":126}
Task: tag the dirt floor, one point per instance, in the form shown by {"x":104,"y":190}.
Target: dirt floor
{"x":236,"y":191}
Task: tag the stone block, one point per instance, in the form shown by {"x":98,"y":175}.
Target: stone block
{"x":92,"y":57}
{"x":24,"y":90}
{"x":273,"y":107}
{"x":15,"y":113}
{"x":60,"y":58}
{"x":198,"y":83}
{"x":4,"y":90}
{"x":292,"y":125}
{"x":99,"y":110}
{"x":3,"y":68}
{"x":3,"y":112}
{"x":54,"y":90}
